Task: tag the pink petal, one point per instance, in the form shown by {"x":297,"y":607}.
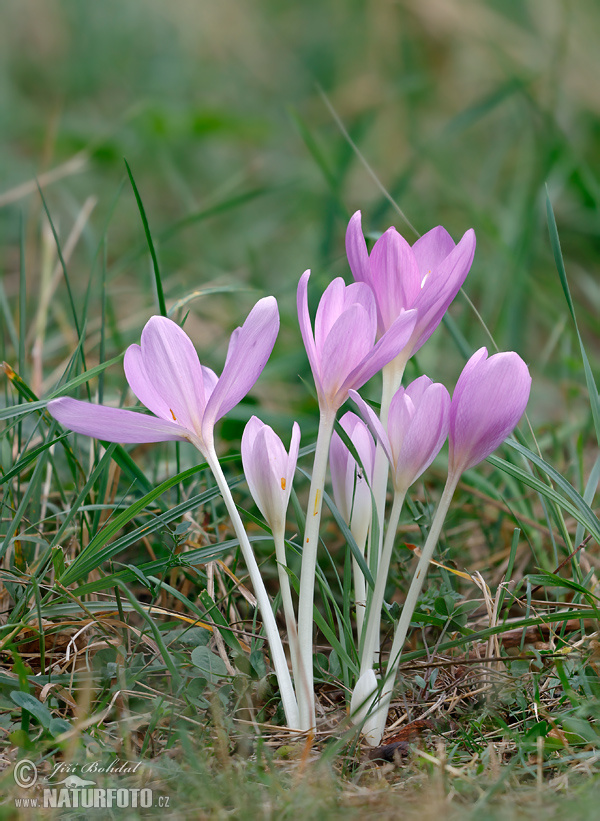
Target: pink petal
{"x":356,"y":250}
{"x":372,"y":420}
{"x":424,"y":436}
{"x":431,"y":249}
{"x":173,"y":370}
{"x":417,"y":388}
{"x":113,"y":424}
{"x":252,"y":347}
{"x":400,"y":415}
{"x":489,"y":400}
{"x":268,"y":468}
{"x":141,"y":385}
{"x":348,"y":343}
{"x":292,"y":458}
{"x":331,"y":305}
{"x":395,"y":277}
{"x":342,"y":468}
{"x":306,"y":329}
{"x":388,"y":347}
{"x":440,"y":288}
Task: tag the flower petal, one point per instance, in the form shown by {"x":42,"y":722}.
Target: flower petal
{"x":252,"y":347}
{"x":292,"y":459}
{"x":431,"y":249}
{"x":440,"y":288}
{"x":372,"y":420}
{"x":395,"y":277}
{"x":388,"y":347}
{"x":347,"y":345}
{"x":267,"y":469}
{"x":424,"y":435}
{"x":356,"y":250}
{"x":173,"y":369}
{"x":306,"y":329}
{"x":141,"y":384}
{"x":113,"y":424}
{"x":489,"y":400}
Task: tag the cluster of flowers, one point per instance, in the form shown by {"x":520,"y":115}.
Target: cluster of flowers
{"x":375,"y":324}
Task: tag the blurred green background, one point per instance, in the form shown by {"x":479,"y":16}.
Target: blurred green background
{"x":463,"y":109}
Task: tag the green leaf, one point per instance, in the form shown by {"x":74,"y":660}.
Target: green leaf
{"x":212,"y":666}
{"x":28,"y":702}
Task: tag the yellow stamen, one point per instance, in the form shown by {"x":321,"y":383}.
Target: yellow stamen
{"x":283,"y":482}
{"x":173,"y":415}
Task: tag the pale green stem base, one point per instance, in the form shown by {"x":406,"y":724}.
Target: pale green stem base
{"x":371,"y":639}
{"x":306,"y":701}
{"x":410,"y":604}
{"x":282,"y":672}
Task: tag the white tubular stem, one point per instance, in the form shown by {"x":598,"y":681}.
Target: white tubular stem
{"x":306,"y":700}
{"x":392,"y":377}
{"x":414,"y":592}
{"x":373,"y":629}
{"x":282,"y":672}
{"x":359,"y":527}
{"x":288,"y":605}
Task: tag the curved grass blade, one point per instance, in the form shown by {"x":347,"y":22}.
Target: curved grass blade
{"x":580,"y":510}
{"x":159,"y":288}
{"x":560,"y":265}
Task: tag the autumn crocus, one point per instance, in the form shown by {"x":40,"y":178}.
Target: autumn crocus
{"x":488,"y":401}
{"x":417,"y":427}
{"x":352,"y":493}
{"x":165,"y":374}
{"x":425,"y":276}
{"x":343,"y":355}
{"x":186,"y":400}
{"x":269,"y":471}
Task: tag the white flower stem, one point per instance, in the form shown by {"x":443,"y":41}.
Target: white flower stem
{"x":286,"y":599}
{"x":373,"y":629}
{"x":359,"y":527}
{"x":392,"y":377}
{"x":306,"y":702}
{"x":413,"y":594}
{"x":282,"y":672}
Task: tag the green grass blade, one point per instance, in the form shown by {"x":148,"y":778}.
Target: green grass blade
{"x":580,"y":510}
{"x":560,"y":265}
{"x":157,"y":278}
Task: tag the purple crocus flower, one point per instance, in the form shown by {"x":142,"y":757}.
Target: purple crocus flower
{"x":426,"y":276}
{"x":269,"y":469}
{"x":342,"y":352}
{"x":351,"y":488}
{"x":417,"y":427}
{"x":488,"y":401}
{"x":186,"y":398}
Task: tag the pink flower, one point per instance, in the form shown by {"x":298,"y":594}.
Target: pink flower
{"x":186,"y":398}
{"x":342,"y":352}
{"x":426,"y":276}
{"x":489,"y":399}
{"x":269,"y":469}
{"x":417,"y":427}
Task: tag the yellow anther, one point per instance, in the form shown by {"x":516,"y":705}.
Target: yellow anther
{"x":283,"y":482}
{"x":173,"y":415}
